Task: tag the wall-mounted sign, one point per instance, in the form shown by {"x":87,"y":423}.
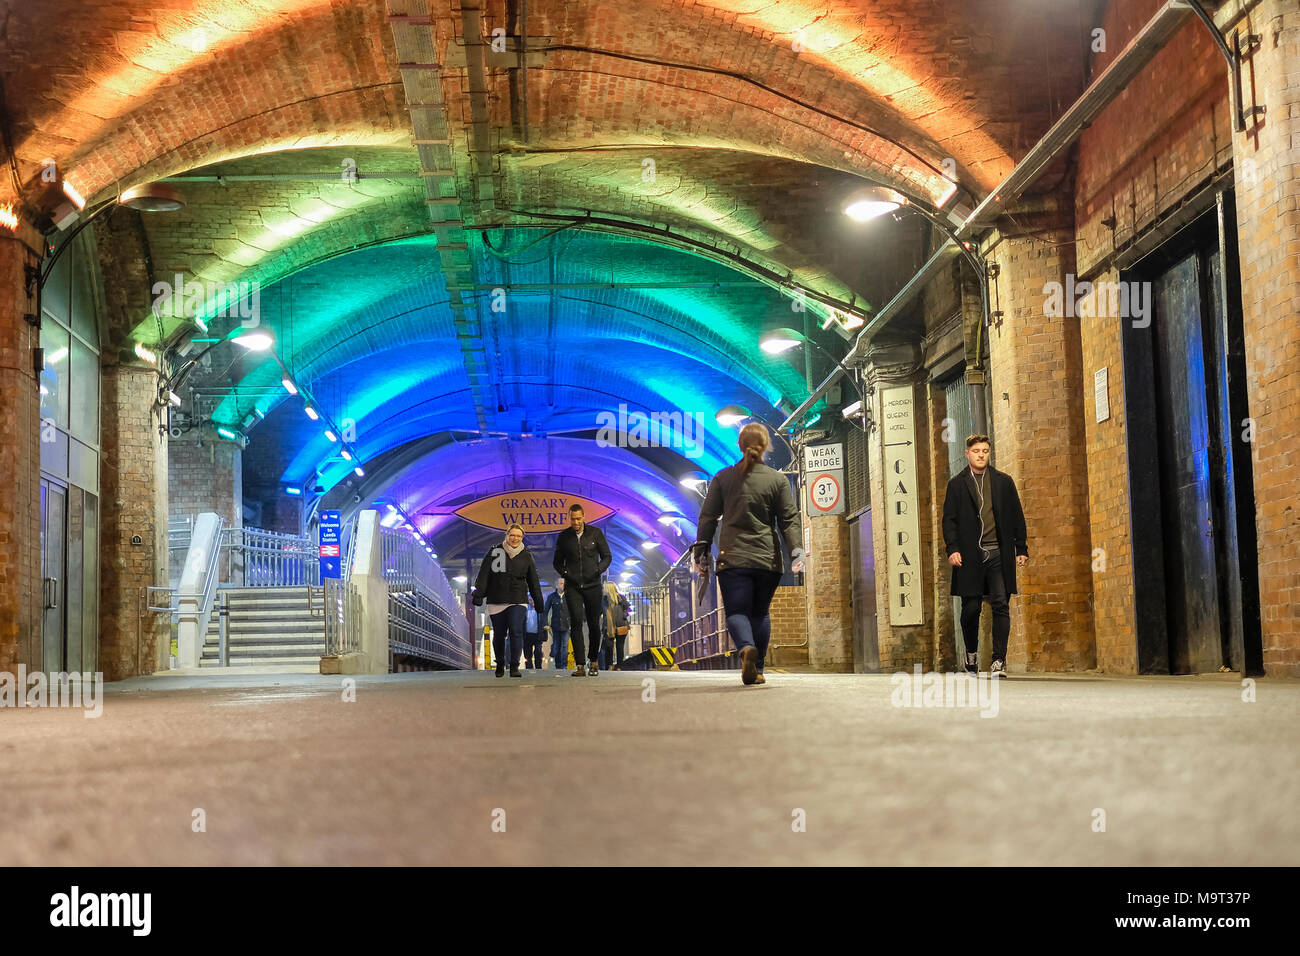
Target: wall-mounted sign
{"x":826,"y":493}
{"x":1101,"y":392}
{"x":536,"y":511}
{"x":902,"y":527}
{"x":331,"y":544}
{"x":823,"y":457}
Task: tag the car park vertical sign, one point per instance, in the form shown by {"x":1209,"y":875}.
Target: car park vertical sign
{"x":902,"y":528}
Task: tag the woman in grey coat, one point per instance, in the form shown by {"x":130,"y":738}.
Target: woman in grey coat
{"x":752,"y":503}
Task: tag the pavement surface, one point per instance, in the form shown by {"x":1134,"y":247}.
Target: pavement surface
{"x":465,"y":768}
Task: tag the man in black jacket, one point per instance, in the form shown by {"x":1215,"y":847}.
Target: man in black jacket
{"x":984,"y":532}
{"x":581,"y":557}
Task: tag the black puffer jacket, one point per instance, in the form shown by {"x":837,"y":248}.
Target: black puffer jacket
{"x":513,"y":584}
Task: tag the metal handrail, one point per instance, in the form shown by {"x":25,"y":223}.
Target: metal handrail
{"x":208,"y":592}
{"x":705,"y":636}
{"x":342,"y":611}
{"x":273,"y":559}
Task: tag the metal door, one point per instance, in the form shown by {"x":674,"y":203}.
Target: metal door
{"x":1184,"y":435}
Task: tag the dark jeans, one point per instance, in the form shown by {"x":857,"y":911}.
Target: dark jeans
{"x":584,"y":604}
{"x":746,"y":596}
{"x":533,"y":649}
{"x":560,"y":648}
{"x":995,"y":591}
{"x":613,"y":648}
{"x":511,"y":620}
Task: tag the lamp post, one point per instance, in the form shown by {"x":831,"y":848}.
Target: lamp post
{"x":871,"y":202}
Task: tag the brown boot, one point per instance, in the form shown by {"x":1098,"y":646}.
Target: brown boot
{"x":580,"y":672}
{"x":749,"y":664}
{"x":760,"y":679}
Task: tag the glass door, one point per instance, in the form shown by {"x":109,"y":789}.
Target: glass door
{"x":53,"y":574}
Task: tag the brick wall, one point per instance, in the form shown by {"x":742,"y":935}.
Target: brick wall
{"x":1268,"y":197}
{"x":789,"y":627}
{"x":829,"y":590}
{"x":133,"y":485}
{"x":20,"y":521}
{"x":205,"y":473}
{"x":1036,"y":408}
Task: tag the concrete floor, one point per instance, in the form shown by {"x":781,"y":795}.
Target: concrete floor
{"x":709,"y":773}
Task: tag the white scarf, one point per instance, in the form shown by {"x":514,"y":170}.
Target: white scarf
{"x":514,"y":553}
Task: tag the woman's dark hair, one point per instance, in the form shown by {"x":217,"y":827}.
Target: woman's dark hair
{"x":753,"y":443}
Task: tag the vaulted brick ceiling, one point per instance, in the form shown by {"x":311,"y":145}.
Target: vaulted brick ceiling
{"x":724,"y":130}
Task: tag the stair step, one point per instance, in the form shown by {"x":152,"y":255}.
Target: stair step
{"x":261,"y":661}
{"x":306,"y":650}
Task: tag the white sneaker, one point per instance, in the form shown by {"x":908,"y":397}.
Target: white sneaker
{"x":998,"y":669}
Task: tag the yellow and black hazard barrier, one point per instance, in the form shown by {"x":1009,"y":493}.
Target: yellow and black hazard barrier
{"x":663,"y":656}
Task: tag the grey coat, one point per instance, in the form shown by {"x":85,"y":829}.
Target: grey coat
{"x":750,"y":508}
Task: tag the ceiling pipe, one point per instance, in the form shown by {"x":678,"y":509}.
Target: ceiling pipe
{"x":1153,"y":37}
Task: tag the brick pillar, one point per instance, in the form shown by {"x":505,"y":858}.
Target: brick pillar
{"x":20,"y":458}
{"x":1035,"y":402}
{"x":133,"y":485}
{"x":902,"y":645}
{"x":828,"y":591}
{"x":1268,"y":214}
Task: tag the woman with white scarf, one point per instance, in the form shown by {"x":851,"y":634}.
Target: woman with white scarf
{"x":506,"y":579}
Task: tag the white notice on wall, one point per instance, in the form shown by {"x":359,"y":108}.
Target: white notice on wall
{"x":1101,"y":391}
{"x":902,"y":526}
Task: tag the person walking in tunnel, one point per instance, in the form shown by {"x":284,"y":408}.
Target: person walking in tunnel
{"x":984,"y":532}
{"x":507,"y":578}
{"x":753,"y":505}
{"x":555,"y":621}
{"x":581,"y":558}
{"x":615,"y":621}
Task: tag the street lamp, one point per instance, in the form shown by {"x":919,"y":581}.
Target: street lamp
{"x":780,"y":341}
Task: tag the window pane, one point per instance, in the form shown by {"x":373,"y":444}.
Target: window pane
{"x":90,"y":593}
{"x":83,"y":302}
{"x":83,"y":466}
{"x":54,"y":380}
{"x":85,"y":393}
{"x":55,"y":295}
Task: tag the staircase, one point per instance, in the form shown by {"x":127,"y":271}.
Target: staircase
{"x":267,"y":626}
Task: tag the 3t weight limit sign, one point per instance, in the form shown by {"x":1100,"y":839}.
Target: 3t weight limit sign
{"x":826,"y":493}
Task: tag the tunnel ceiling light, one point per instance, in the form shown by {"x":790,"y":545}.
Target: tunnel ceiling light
{"x":732,"y":415}
{"x":780,"y":340}
{"x":359,"y":471}
{"x":347,"y":455}
{"x":145,"y":355}
{"x":153,"y":197}
{"x":872,"y":202}
{"x":225,"y":432}
{"x":649,"y":545}
{"x":311,"y":412}
{"x":460,"y":578}
{"x":694,"y":480}
{"x":293,"y":490}
{"x":255,"y":340}
{"x":671,"y":517}
{"x":291,"y":388}
{"x":73,"y":193}
{"x":330,"y":435}
{"x":259,"y":413}
{"x":631,"y":561}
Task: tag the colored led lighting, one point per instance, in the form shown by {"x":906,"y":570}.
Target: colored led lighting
{"x":291,"y":490}
{"x":311,"y":412}
{"x":330,"y":435}
{"x":226,"y":433}
{"x":289,"y":387}
{"x":359,"y":471}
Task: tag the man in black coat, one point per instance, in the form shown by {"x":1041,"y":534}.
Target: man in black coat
{"x":581,"y":557}
{"x":984,"y":532}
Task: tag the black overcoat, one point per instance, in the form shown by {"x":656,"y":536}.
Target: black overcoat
{"x":961,"y":529}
